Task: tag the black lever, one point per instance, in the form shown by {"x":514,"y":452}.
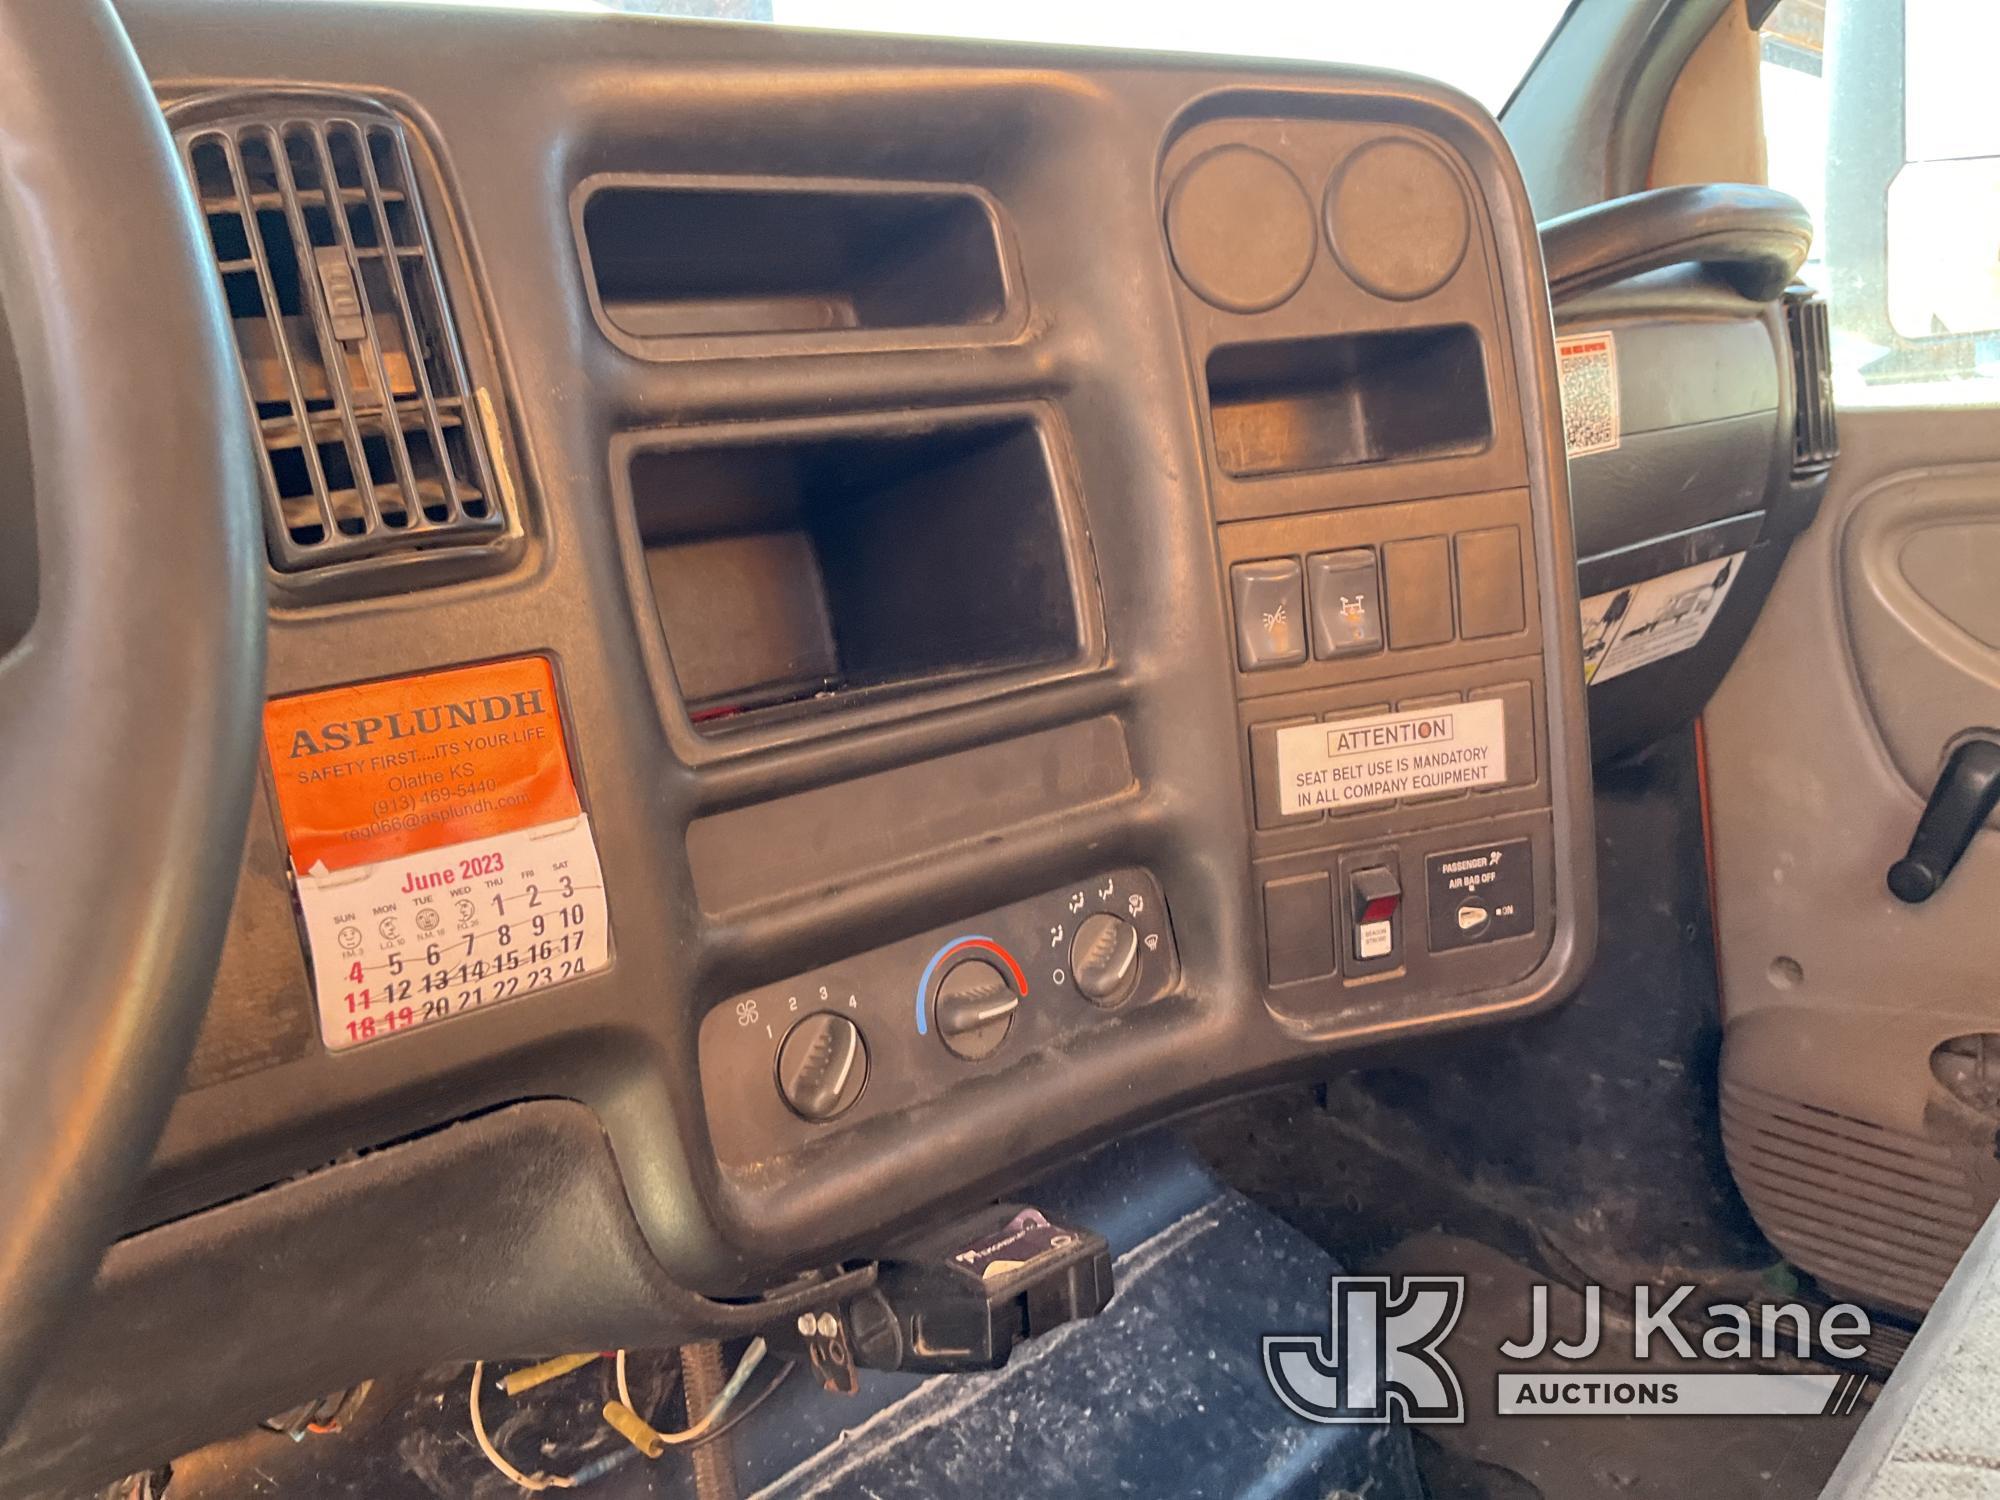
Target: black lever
{"x":1964,"y":798}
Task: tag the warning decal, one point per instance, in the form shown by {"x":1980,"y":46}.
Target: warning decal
{"x":442,"y":857}
{"x":1588,"y":363}
{"x":1418,"y":753}
{"x":1646,"y":622}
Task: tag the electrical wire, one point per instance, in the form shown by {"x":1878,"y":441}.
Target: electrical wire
{"x":536,"y":1481}
{"x":742,"y":1413}
{"x":707,"y":1425}
{"x":707,"y":1429}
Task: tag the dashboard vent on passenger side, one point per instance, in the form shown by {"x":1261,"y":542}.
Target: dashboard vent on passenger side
{"x":354,"y":370}
{"x":1815,"y":439}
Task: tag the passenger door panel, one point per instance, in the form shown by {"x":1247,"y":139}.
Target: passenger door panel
{"x":1860,"y":1165}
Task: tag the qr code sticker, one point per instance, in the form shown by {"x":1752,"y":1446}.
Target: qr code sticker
{"x":1589,"y":364}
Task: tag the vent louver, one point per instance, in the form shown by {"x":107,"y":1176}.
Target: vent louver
{"x":356,"y":378}
{"x":1815,"y":439}
{"x":1866,"y":1209}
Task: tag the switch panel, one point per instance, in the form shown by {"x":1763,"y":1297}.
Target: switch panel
{"x":1359,"y":443}
{"x":1270,"y":613}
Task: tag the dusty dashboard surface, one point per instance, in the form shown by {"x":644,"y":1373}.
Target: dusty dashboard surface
{"x":1043,"y":580}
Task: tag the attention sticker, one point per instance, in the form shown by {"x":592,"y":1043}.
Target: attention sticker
{"x":440,"y":852}
{"x":1424,"y":752}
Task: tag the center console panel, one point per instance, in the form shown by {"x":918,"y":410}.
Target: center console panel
{"x":1379,"y":539}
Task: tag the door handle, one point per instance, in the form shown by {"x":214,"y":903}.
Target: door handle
{"x":1966,"y":793}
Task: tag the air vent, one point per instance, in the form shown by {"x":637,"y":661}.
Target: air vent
{"x":1866,"y":1209}
{"x":1815,"y":439}
{"x":356,"y":377}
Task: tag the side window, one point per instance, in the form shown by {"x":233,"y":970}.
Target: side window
{"x":1878,"y":116}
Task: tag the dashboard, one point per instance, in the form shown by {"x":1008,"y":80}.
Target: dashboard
{"x":947,"y":525}
{"x":1049,"y":579}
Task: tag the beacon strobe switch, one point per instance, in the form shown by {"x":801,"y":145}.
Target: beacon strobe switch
{"x":1377,"y":897}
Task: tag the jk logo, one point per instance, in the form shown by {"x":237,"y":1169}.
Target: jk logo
{"x":1381,"y":1358}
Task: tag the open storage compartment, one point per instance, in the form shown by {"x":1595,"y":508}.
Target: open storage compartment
{"x":804,"y":568}
{"x":1356,"y":398}
{"x":680,"y":258}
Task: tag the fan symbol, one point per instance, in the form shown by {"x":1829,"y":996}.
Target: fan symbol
{"x":1273,"y":618}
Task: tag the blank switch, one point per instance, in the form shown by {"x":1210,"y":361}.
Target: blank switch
{"x":1489,"y":582}
{"x":1416,"y":583}
{"x":1518,"y":702}
{"x":1264,"y":775}
{"x":1298,"y":927}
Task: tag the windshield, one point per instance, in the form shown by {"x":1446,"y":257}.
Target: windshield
{"x":1480,"y":46}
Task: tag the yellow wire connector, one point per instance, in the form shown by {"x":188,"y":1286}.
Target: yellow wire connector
{"x":543,"y":1373}
{"x":635,"y":1429}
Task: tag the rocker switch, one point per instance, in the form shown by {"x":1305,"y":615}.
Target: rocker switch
{"x":1377,"y":897}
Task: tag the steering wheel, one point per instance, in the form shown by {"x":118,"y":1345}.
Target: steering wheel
{"x":129,"y":710}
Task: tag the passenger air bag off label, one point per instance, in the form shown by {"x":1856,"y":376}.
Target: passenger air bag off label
{"x":1422,"y":752}
{"x":442,"y":857}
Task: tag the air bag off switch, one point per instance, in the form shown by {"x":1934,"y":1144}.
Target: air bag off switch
{"x":1377,"y":899}
{"x":1481,"y":894}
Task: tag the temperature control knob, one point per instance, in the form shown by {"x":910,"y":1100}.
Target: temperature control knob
{"x":1104,"y":958}
{"x":822,"y":1064}
{"x":975,"y":1009}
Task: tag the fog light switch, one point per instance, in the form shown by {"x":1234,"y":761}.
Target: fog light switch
{"x":1377,"y":898}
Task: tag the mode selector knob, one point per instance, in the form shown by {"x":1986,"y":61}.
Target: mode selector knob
{"x":975,"y":1009}
{"x":822,"y":1064}
{"x":1104,"y":958}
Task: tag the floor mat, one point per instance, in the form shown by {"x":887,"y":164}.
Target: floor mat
{"x":1492,"y":1457}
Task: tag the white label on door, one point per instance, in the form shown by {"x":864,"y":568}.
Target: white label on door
{"x":1630,"y":627}
{"x":1420,"y":752}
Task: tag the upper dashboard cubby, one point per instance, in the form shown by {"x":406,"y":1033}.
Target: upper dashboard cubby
{"x":1337,"y":284}
{"x":685,"y":267}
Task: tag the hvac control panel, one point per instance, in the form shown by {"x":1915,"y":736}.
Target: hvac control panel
{"x":790,"y":1063}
